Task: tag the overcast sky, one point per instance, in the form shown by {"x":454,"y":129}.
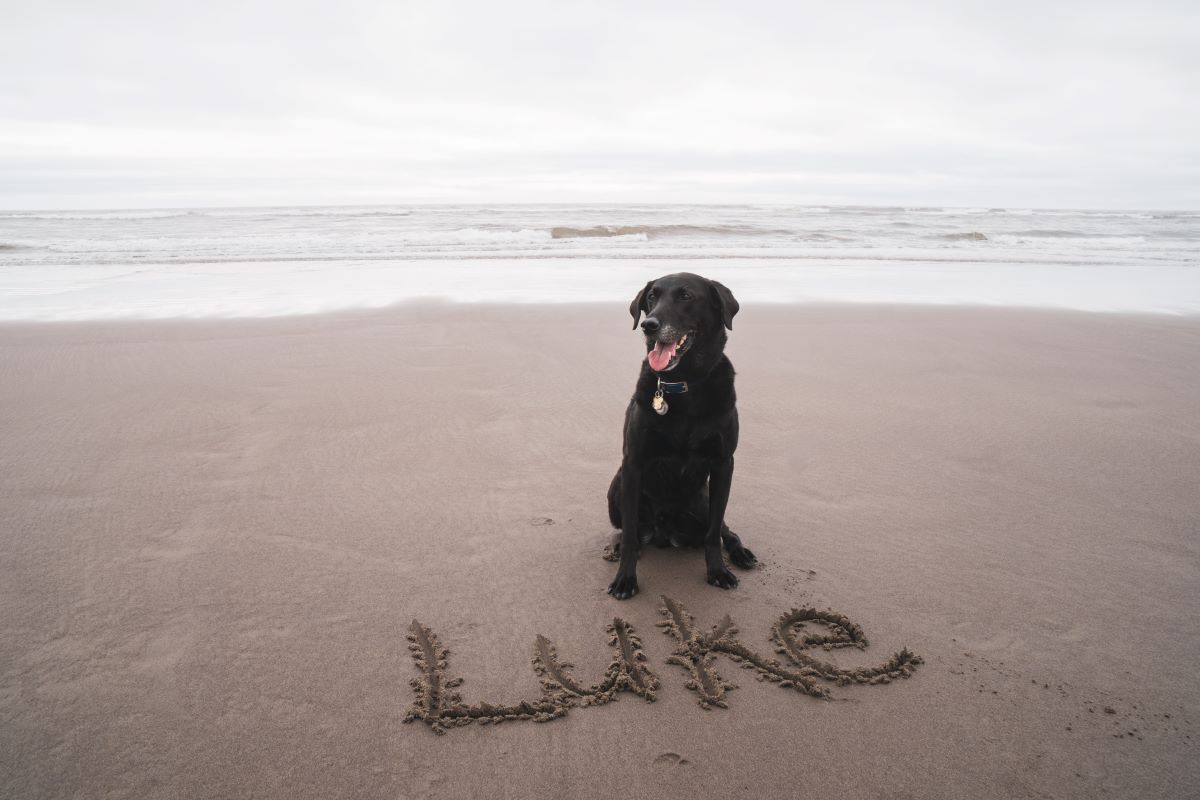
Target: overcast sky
{"x":1026,"y":104}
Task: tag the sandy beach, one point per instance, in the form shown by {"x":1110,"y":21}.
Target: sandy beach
{"x":216,"y":534}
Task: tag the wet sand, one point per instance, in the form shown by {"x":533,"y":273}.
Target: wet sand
{"x":216,"y":537}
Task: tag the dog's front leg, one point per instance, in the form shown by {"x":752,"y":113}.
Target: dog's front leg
{"x":625,"y":585}
{"x":719,"y":481}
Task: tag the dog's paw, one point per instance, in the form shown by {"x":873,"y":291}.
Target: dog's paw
{"x":623,"y":587}
{"x":722,"y":577}
{"x":742,"y":557}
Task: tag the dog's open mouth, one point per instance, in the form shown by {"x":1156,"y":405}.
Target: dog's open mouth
{"x":666,"y":355}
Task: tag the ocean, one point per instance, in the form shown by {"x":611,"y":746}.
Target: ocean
{"x":248,"y":262}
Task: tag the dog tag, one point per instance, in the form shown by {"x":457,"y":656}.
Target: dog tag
{"x":659,"y":404}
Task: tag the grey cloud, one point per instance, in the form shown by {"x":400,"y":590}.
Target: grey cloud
{"x":1031,"y":104}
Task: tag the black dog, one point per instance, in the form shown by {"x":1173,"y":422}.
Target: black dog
{"x":681,"y":429}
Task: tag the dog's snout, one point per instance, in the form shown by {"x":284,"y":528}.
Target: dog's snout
{"x":650,"y":325}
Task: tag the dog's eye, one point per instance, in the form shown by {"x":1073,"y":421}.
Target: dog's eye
{"x":652,"y":296}
{"x":685,"y":295}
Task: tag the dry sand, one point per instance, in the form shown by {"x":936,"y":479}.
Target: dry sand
{"x":214,"y":538}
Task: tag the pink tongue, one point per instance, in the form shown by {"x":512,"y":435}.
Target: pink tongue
{"x":661,"y":355}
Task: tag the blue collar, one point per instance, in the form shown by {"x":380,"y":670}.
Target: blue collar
{"x":672,"y":388}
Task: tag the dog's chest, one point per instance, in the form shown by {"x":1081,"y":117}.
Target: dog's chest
{"x":683,"y":442}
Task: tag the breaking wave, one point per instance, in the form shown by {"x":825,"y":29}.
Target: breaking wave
{"x":96,"y":215}
{"x":307,"y":212}
{"x":661,"y":231}
{"x":965,"y":236}
{"x":1051,"y":233}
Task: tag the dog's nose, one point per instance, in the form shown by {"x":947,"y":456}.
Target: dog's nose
{"x":650,"y":325}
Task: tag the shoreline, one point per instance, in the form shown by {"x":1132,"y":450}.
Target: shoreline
{"x":249,"y":289}
{"x":608,"y":308}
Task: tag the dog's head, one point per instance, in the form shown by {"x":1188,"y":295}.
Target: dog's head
{"x":686,"y":318}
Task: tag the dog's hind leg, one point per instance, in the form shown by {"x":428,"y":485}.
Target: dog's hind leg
{"x":614,"y":501}
{"x":684,"y":525}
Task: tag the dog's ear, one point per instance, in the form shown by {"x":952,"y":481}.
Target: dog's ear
{"x":639,"y":304}
{"x":726,"y":302}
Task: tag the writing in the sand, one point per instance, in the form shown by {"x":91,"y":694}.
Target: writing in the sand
{"x":439,"y":704}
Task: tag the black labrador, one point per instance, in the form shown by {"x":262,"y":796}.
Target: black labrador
{"x":681,"y":429}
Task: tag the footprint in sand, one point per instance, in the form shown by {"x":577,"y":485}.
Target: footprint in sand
{"x":670,"y":760}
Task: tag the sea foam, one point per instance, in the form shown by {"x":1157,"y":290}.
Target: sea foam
{"x":266,"y":262}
